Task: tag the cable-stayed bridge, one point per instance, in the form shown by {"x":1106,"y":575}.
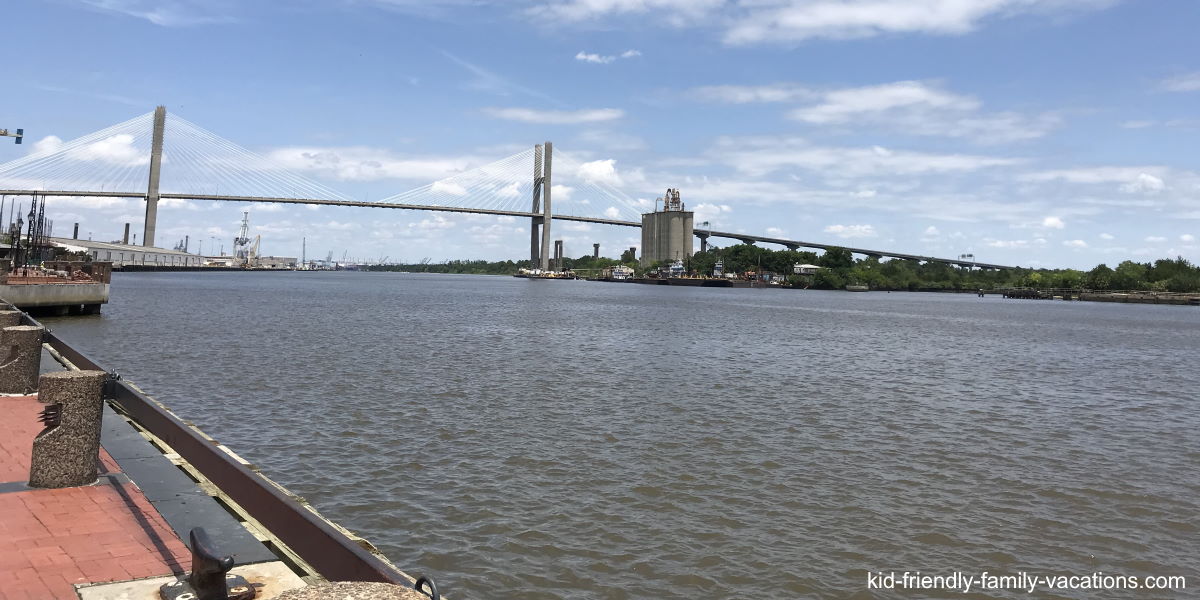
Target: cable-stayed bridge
{"x":158,"y":156}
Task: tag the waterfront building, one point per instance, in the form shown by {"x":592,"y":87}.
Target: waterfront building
{"x":127,"y":254}
{"x":667,"y":233}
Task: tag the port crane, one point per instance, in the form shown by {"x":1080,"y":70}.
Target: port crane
{"x":244,"y":252}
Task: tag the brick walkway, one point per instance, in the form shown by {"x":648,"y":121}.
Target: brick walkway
{"x":51,"y":540}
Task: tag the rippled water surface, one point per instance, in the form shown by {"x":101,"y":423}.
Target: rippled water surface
{"x":534,"y":439}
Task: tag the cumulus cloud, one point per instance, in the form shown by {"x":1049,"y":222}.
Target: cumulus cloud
{"x":1187,"y":237}
{"x":1156,"y":239}
{"x":932,"y":231}
{"x":851,"y":231}
{"x":1144,"y":183}
{"x":709,"y":212}
{"x":1053,"y":223}
{"x":775,"y":232}
{"x":448,"y":187}
{"x":601,"y":171}
{"x":1107,"y":236}
{"x":556,"y":117}
{"x":1075,"y":243}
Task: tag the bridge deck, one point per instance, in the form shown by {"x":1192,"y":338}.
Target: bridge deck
{"x":511,"y":213}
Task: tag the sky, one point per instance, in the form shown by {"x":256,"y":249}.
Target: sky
{"x":1045,"y":133}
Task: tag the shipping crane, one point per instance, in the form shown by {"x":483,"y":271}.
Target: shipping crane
{"x":245,"y":253}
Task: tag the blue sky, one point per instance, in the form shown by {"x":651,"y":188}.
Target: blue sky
{"x":1044,"y":133}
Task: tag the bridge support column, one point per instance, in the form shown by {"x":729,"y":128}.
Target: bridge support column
{"x":535,"y":243}
{"x":546,"y":162}
{"x":156,"y":144}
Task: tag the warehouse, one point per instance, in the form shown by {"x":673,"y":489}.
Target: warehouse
{"x":127,"y":254}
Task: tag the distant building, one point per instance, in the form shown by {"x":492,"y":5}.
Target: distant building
{"x":800,"y":269}
{"x":127,"y":254}
{"x":667,"y":233}
{"x":276,"y":262}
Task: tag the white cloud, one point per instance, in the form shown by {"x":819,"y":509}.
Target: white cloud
{"x":1137,"y":124}
{"x":1093,"y":175}
{"x":776,"y":232}
{"x":919,"y":108}
{"x":1156,"y":239}
{"x":602,"y":171}
{"x":594,"y":58}
{"x":1144,"y":183}
{"x":761,"y":155}
{"x":448,"y":187}
{"x":1107,"y":236}
{"x":612,"y":212}
{"x":1187,"y":237}
{"x":1053,"y":223}
{"x":1075,"y":243}
{"x":361,"y":163}
{"x":604,"y":59}
{"x":791,"y":21}
{"x":556,"y":117}
{"x":47,"y":145}
{"x":1188,"y":82}
{"x":745,"y":94}
{"x":708,"y":212}
{"x":851,"y":231}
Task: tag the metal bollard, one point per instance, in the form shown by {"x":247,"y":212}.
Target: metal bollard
{"x":67,"y":452}
{"x":21,"y":353}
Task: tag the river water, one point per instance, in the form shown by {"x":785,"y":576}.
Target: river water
{"x":571,"y":439}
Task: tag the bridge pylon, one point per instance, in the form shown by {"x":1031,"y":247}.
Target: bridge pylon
{"x":156,"y":146}
{"x":539,"y":245}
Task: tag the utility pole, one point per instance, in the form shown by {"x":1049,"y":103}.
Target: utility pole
{"x":156,"y":144}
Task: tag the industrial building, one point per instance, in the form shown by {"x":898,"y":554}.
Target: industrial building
{"x":127,"y":254}
{"x":667,"y":233}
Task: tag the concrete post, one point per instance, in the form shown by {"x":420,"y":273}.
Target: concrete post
{"x":21,"y":347}
{"x":546,"y":185}
{"x":535,"y":222}
{"x":156,"y":144}
{"x":67,"y":452}
{"x":9,"y":318}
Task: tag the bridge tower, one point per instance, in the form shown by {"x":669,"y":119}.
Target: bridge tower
{"x":539,"y":249}
{"x":156,"y":144}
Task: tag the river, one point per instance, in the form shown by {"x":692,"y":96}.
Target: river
{"x":571,"y":439}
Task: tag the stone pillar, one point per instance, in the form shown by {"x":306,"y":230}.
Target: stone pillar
{"x":67,"y":452}
{"x":21,"y":352}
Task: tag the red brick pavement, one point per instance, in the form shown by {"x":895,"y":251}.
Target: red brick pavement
{"x":51,"y":540}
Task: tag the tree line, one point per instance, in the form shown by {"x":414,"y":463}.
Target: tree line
{"x":840,"y":269}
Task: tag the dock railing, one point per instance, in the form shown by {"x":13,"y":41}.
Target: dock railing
{"x":334,"y":555}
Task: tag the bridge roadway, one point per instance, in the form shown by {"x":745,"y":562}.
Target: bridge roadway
{"x":745,"y":238}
